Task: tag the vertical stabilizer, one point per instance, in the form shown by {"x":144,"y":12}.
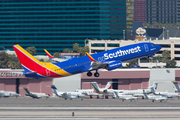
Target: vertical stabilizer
{"x":55,"y":90}
{"x":95,"y":86}
{"x":30,"y":64}
{"x":176,"y":86}
{"x":27,"y":91}
{"x":154,"y":85}
{"x":27,"y":60}
{"x":108,"y":85}
{"x":145,"y":95}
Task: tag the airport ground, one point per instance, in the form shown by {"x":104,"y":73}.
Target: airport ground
{"x":87,"y":109}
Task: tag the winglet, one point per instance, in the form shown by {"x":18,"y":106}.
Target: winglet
{"x":48,"y":54}
{"x":90,"y":57}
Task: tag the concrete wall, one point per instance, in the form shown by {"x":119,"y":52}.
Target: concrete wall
{"x":70,"y":83}
{"x":164,"y":78}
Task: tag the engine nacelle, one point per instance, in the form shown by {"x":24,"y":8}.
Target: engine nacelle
{"x":105,"y":91}
{"x":113,"y":65}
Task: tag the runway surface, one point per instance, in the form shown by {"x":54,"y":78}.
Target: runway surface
{"x":87,"y":102}
{"x":86,"y":109}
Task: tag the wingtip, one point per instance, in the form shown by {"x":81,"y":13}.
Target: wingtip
{"x":49,"y":55}
{"x":90,"y":57}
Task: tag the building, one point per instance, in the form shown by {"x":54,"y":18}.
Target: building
{"x":172,"y":45}
{"x":162,"y":11}
{"x":127,"y":79}
{"x":58,"y":24}
{"x":12,"y":80}
{"x":132,"y":79}
{"x":129,"y":19}
{"x":139,"y":11}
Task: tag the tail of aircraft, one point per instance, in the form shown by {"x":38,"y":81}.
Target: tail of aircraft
{"x":29,"y":63}
{"x":55,"y":90}
{"x":176,"y":85}
{"x":95,"y":86}
{"x":27,"y":91}
{"x":154,"y":85}
{"x":109,"y":85}
{"x":145,"y":95}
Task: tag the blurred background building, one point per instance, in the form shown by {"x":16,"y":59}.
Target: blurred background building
{"x":58,"y":24}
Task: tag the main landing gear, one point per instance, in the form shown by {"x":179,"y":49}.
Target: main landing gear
{"x":96,"y":74}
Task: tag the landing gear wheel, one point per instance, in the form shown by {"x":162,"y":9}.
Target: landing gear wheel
{"x":96,"y":74}
{"x":89,"y":74}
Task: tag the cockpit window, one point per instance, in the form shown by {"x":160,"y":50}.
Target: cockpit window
{"x":153,"y":45}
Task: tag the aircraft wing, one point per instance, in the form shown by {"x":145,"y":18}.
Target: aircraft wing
{"x":93,"y":94}
{"x":51,"y":57}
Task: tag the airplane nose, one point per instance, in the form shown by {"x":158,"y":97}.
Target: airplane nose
{"x":158,"y":47}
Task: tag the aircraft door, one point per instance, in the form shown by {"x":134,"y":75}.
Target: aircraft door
{"x":146,"y":47}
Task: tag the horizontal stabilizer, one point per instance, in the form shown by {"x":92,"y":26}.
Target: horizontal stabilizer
{"x":95,"y":86}
{"x":30,"y":73}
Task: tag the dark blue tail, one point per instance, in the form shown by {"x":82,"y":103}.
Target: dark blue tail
{"x":53,"y":87}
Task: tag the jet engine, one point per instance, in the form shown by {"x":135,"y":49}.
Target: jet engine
{"x":105,"y":91}
{"x":113,"y":65}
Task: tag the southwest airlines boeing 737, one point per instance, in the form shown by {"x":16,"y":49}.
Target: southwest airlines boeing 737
{"x":109,"y":60}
